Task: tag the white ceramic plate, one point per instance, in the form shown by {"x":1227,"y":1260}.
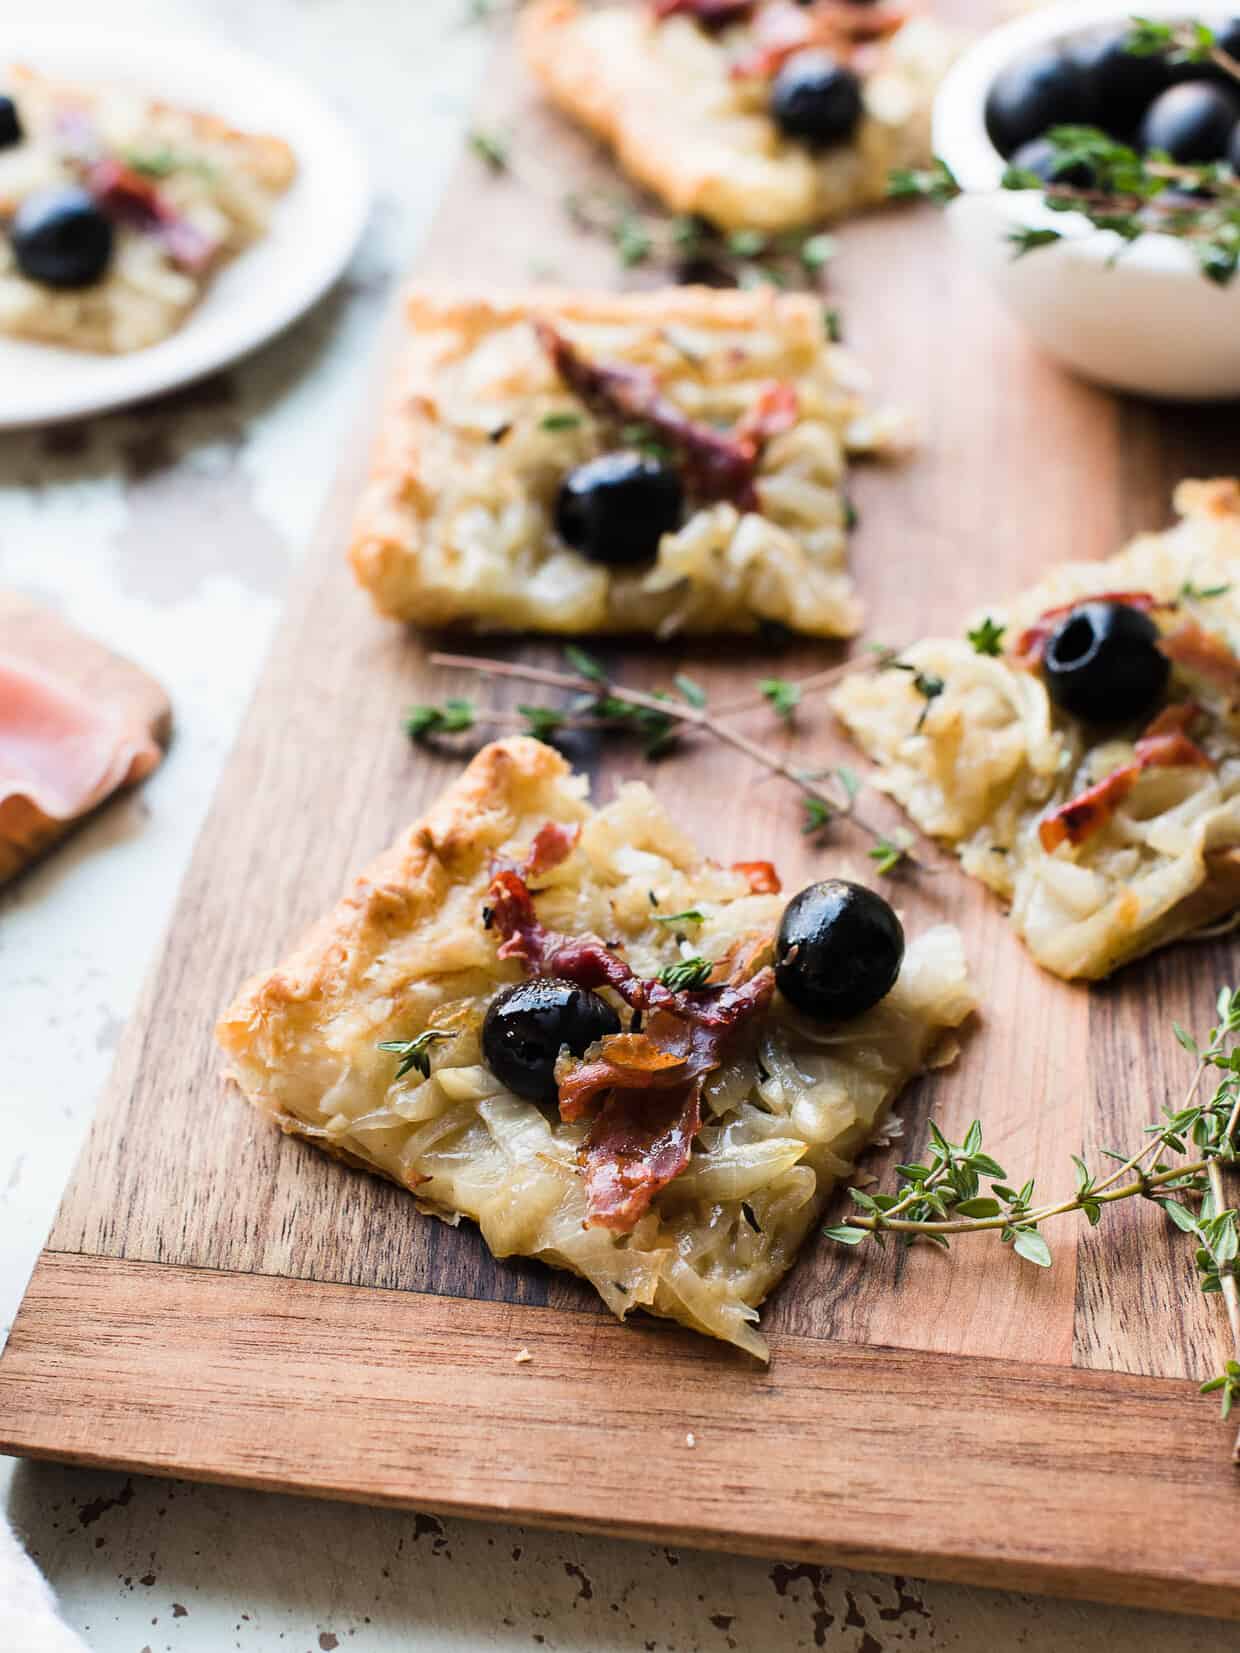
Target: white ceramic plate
{"x":313,"y":231}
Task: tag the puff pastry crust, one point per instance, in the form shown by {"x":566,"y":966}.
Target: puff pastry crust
{"x":220,"y":186}
{"x":455,"y":526}
{"x":407,"y":949}
{"x":662,"y":96}
{"x":983,"y":764}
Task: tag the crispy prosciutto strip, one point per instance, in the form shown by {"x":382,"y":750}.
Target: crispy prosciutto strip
{"x":1190,"y":645}
{"x":783,"y":28}
{"x":131,"y":198}
{"x":646,"y":1087}
{"x":1031,"y":644}
{"x":1164,"y":745}
{"x":553,"y":844}
{"x":717,"y":464}
{"x":760,"y":875}
{"x":712,"y":14}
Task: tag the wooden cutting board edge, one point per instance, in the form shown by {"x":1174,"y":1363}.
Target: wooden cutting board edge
{"x":891,"y":1460}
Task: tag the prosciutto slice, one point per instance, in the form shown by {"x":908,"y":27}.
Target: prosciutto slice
{"x":716,"y":464}
{"x":642,"y":1089}
{"x":1164,"y":745}
{"x":60,"y":755}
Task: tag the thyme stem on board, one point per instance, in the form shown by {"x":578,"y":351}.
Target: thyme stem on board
{"x":943,"y":1197}
{"x":657,"y":717}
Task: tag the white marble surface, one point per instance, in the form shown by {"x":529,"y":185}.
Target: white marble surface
{"x":133,"y":527}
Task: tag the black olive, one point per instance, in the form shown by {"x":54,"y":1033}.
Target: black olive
{"x":10,"y":124}
{"x":1030,"y":96}
{"x":1039,"y":157}
{"x":1233,"y":152}
{"x":528,"y":1025}
{"x":1117,"y":86}
{"x":839,"y":950}
{"x":1102,"y":663}
{"x":1192,"y":123}
{"x":61,"y":238}
{"x":816,"y":99}
{"x":616,"y":509}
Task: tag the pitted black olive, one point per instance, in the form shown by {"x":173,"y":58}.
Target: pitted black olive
{"x":839,"y":950}
{"x":527,"y":1026}
{"x":1193,"y":123}
{"x":816,"y":99}
{"x":61,"y":238}
{"x":1102,"y":663}
{"x":616,"y":509}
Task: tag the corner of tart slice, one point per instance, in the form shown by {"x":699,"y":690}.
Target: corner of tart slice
{"x":1079,"y":745}
{"x":121,"y":208}
{"x":657,"y":462}
{"x":767,"y":115}
{"x":565,"y":1024}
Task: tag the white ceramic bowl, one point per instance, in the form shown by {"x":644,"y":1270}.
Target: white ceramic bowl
{"x":1147,"y":321}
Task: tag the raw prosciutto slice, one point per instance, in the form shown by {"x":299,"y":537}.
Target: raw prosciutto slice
{"x":60,"y":756}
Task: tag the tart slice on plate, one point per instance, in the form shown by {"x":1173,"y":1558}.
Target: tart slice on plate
{"x":608,"y":1052}
{"x":1079,"y":747}
{"x":117,"y":209}
{"x":754,"y":114}
{"x":651,"y":462}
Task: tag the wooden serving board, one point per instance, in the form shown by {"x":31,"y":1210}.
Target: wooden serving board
{"x":219,"y":1301}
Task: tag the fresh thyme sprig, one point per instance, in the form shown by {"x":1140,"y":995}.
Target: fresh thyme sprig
{"x":1116,"y":188}
{"x":658,"y":718}
{"x":414,"y":1053}
{"x":943,"y":1196}
{"x":689,"y":246}
{"x":686,"y":975}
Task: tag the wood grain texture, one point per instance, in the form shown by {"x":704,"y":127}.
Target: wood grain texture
{"x":360,"y":1394}
{"x":1020,"y":467}
{"x":33,"y":634}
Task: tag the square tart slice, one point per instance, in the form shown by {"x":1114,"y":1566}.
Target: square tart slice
{"x":497,"y":400}
{"x":1108,"y":839}
{"x":687,"y":1197}
{"x":685,"y":105}
{"x":182,"y":191}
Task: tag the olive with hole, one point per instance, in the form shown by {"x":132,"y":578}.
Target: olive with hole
{"x":839,"y":950}
{"x":10,"y":124}
{"x":1192,"y":123}
{"x":61,"y":238}
{"x":816,"y":99}
{"x":1103,"y":664}
{"x":528,"y":1025}
{"x":616,"y":509}
{"x":1032,"y":95}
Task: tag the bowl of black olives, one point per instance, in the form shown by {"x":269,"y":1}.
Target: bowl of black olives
{"x":1136,"y":307}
